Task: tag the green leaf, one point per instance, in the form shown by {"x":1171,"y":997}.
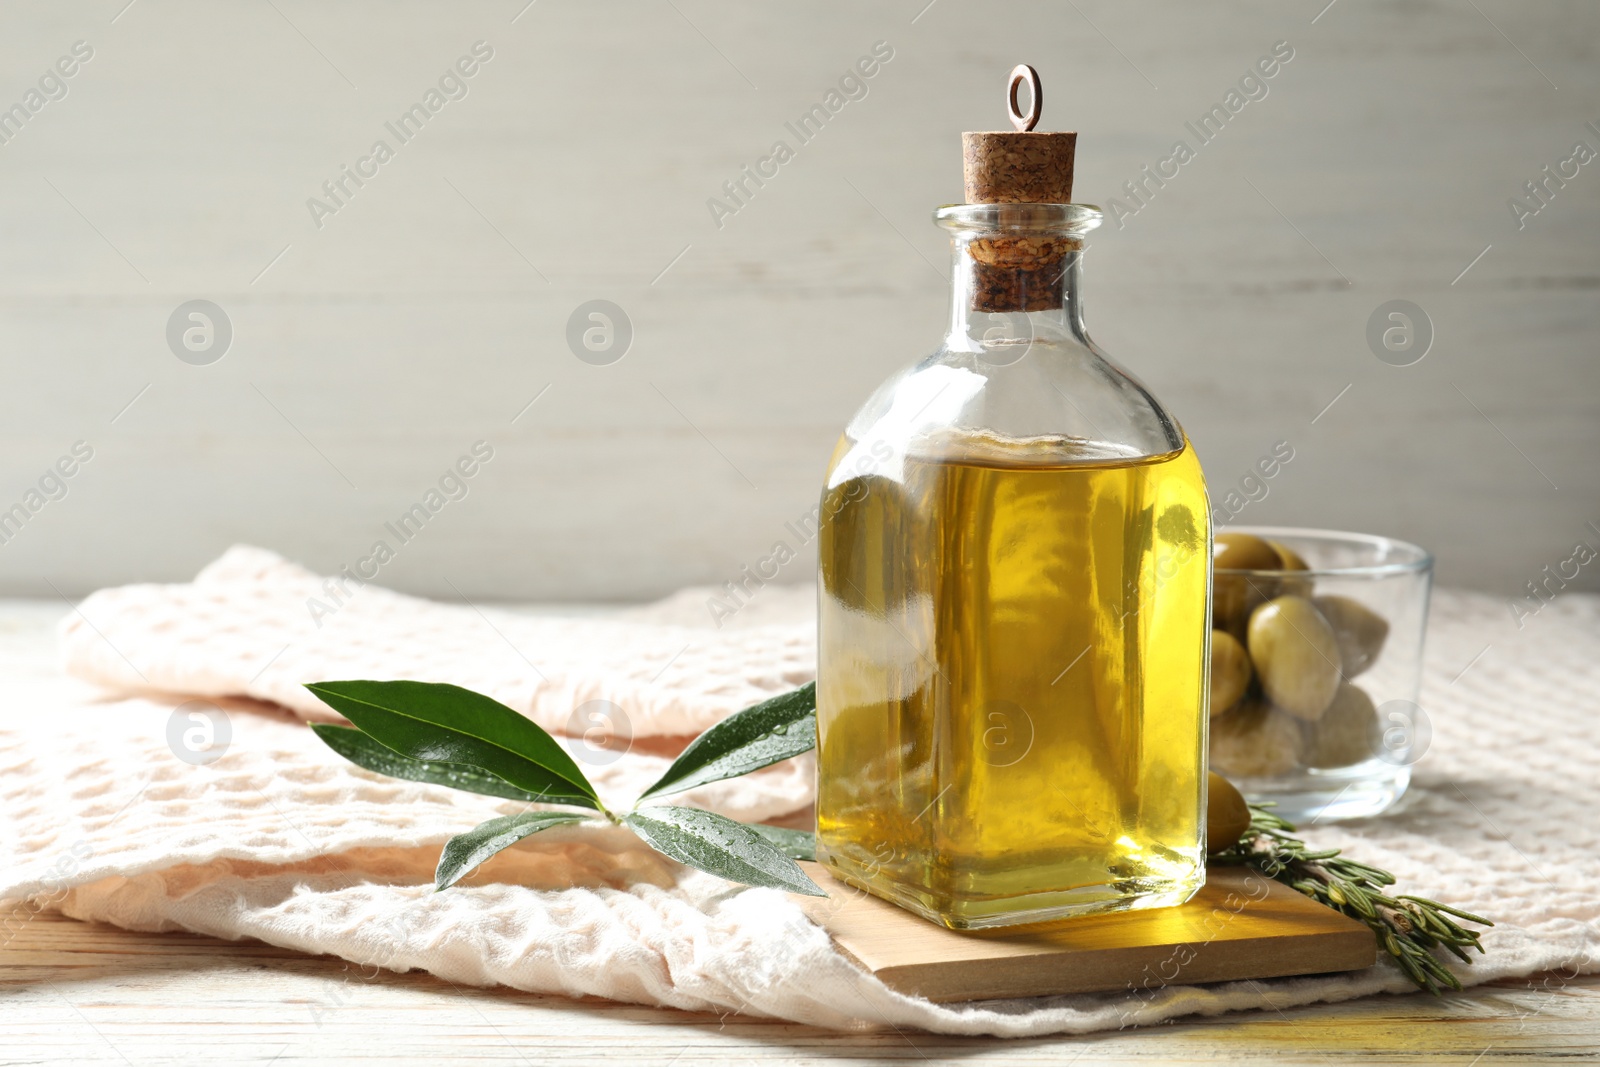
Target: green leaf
{"x":439,"y":723}
{"x":465,"y":851}
{"x":796,"y":844}
{"x":718,"y":845}
{"x":756,"y":737}
{"x":363,"y":751}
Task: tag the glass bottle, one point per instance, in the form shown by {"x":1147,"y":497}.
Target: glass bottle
{"x":1014,"y":556}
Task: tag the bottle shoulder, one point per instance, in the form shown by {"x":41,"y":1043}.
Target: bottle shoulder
{"x":1055,"y":402}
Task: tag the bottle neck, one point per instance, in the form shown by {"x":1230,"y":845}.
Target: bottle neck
{"x":1010,"y":290}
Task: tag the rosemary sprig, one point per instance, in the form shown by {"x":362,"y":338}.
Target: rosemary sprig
{"x":1409,"y":928}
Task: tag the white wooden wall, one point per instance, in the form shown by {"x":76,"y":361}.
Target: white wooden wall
{"x":372,"y":352}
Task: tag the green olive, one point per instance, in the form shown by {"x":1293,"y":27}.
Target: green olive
{"x":1255,"y":740}
{"x":1227,"y":815}
{"x":1230,"y":671}
{"x":1234,"y":596}
{"x":1295,"y":655}
{"x":1289,"y":561}
{"x":1243,"y":552}
{"x":1345,"y":733}
{"x":1359,"y":631}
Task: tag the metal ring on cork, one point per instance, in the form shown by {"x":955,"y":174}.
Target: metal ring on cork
{"x":1024,"y":73}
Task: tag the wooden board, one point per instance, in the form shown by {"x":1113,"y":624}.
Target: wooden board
{"x":1241,"y":925}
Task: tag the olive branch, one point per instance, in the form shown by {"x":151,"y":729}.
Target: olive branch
{"x":450,"y":736}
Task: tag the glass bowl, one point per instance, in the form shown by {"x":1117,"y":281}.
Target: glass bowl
{"x":1316,"y":664}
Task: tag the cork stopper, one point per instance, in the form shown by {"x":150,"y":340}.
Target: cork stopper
{"x":1019,"y":167}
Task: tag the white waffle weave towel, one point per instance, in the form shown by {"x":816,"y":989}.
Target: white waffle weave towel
{"x":283,"y":841}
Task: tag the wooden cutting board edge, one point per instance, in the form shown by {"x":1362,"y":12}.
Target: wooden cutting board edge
{"x":1273,"y":934}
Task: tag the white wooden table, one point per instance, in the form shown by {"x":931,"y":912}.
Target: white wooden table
{"x":74,"y":992}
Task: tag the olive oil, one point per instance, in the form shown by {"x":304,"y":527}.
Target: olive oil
{"x":1012,"y":688}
